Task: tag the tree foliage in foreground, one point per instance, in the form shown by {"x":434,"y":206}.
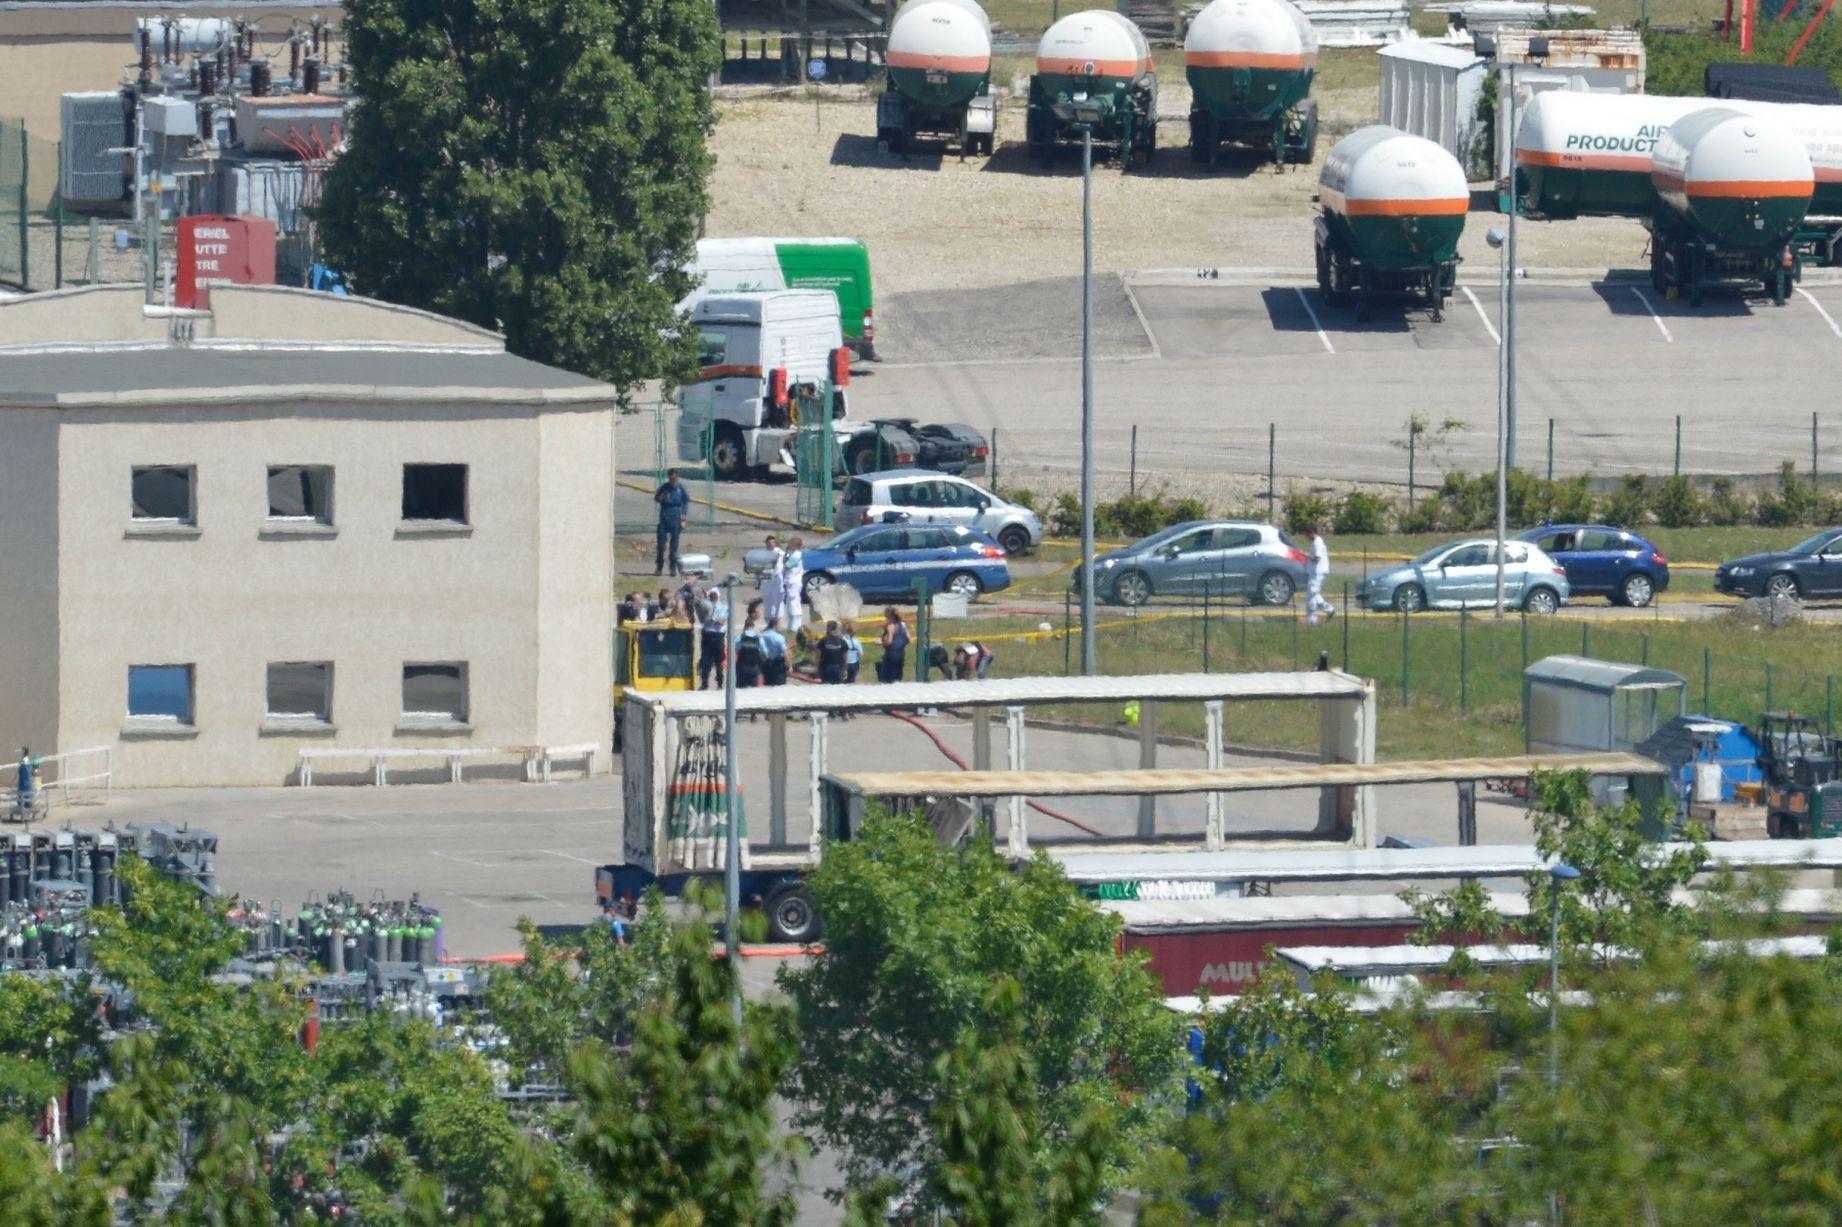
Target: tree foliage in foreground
{"x":914,"y":936}
{"x":532,"y":166}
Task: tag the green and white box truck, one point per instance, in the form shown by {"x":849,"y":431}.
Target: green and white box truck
{"x":842,"y":266}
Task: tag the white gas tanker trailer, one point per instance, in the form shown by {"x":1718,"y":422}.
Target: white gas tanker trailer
{"x":1392,"y":209}
{"x":1250,"y":65}
{"x":1094,"y":71}
{"x":1735,"y":190}
{"x":939,"y":62}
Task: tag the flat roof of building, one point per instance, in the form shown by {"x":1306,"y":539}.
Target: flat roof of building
{"x":104,"y":377}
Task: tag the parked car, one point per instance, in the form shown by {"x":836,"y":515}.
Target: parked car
{"x":891,"y":443}
{"x":939,"y":498}
{"x":1463,"y":575}
{"x":1604,"y":561}
{"x":884,"y":560}
{"x":1225,"y":557}
{"x":1811,"y":568}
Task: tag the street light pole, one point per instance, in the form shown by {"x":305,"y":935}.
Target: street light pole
{"x":1495,"y":238}
{"x":1089,"y":654}
{"x":1558,"y":873}
{"x":732,"y":844}
{"x":1509,"y":297}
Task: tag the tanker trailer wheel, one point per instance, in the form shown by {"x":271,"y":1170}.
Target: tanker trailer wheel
{"x":1201,"y":128}
{"x":1310,"y":153}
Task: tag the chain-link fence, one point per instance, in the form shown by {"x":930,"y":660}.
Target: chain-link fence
{"x":43,"y":245}
{"x":688,"y":450}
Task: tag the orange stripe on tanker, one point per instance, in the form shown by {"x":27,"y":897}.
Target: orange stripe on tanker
{"x":1075,"y":66}
{"x":1441,"y":207}
{"x":948,"y":63}
{"x":1248,"y":59}
{"x":1733,"y":189}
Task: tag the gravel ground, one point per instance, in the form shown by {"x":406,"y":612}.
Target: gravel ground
{"x":934,"y":222}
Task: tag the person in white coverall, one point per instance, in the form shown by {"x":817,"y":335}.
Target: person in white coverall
{"x":792,"y":586}
{"x":770,"y":580}
{"x":1315,"y":604}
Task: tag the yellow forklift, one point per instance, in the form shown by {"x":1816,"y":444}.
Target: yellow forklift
{"x":659,"y":655}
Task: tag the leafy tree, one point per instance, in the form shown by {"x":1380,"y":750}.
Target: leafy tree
{"x":680,"y":1129}
{"x":914,"y":935}
{"x":535,"y":166}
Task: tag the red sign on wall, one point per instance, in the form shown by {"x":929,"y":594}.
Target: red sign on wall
{"x":212,"y":247}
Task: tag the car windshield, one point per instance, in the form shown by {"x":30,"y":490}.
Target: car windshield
{"x":1812,"y":545}
{"x":1427,"y":558}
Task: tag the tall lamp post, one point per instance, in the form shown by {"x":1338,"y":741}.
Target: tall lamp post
{"x":1494,"y":237}
{"x":1537,"y":53}
{"x":1084,"y":113}
{"x":1558,"y":873}
{"x":732,"y":843}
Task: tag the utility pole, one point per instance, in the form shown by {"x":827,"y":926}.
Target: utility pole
{"x":732,"y":844}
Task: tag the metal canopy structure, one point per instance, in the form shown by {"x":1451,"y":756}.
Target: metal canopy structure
{"x":1389,"y":864}
{"x":854,"y":788}
{"x":1361,"y":963}
{"x":655,"y":727}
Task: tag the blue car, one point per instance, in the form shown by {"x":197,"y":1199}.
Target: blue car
{"x":1604,"y":561}
{"x":885,"y":560}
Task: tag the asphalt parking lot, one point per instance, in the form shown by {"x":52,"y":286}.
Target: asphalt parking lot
{"x":1612,"y":364}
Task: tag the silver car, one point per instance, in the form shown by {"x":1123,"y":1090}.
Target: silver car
{"x":1242,"y":558}
{"x":1463,"y":575}
{"x":918,"y":496}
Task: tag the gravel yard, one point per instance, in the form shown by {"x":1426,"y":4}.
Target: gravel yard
{"x":787,"y":165}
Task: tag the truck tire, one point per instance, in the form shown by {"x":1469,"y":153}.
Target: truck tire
{"x":728,"y":454}
{"x":791,"y":916}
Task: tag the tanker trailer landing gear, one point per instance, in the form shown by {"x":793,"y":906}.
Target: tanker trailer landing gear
{"x":1291,"y":136}
{"x":1684,"y":265}
{"x":1344,"y":278}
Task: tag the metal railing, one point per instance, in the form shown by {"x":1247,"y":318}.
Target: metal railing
{"x":56,"y":776}
{"x":538,"y":761}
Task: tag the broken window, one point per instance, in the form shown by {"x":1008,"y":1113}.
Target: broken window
{"x":301,"y":492}
{"x":435,"y":492}
{"x":164,"y":492}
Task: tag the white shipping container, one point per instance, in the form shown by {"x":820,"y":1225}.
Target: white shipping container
{"x":1431,"y":90}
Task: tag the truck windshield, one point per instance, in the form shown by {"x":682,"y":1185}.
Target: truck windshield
{"x":665,"y":653}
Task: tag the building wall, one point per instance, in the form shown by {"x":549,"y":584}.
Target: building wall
{"x":575,"y":577}
{"x":369,"y":598}
{"x":28,"y":591}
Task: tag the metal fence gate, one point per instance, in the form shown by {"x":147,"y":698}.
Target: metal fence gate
{"x":15,"y":164}
{"x":815,"y":453}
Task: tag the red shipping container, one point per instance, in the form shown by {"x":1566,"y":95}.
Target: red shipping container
{"x":238,"y":249}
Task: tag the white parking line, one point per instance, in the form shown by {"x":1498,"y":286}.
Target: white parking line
{"x":1306,"y":303}
{"x":1643,"y":298}
{"x":1827,"y":318}
{"x":448,"y":856}
{"x":1494,"y":338}
{"x":583,"y":860}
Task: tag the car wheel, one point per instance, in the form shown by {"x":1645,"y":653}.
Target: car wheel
{"x":1541,"y":601}
{"x":816,"y":582}
{"x":1637,"y":591}
{"x":1410,"y":598}
{"x":791,"y":917}
{"x":860,"y":460}
{"x":1276,"y":588}
{"x":1132,"y":588}
{"x":1014,"y":539}
{"x":964,"y":583}
{"x":1782,"y":587}
{"x":728,"y":458}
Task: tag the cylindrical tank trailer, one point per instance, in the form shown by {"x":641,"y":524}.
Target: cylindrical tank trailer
{"x":1094,"y":70}
{"x":1722,"y":187}
{"x":1393,"y":208}
{"x":1731,"y":190}
{"x":939,"y":61}
{"x":1250,"y":65}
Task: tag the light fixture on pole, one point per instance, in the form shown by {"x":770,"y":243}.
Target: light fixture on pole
{"x":1495,"y":238}
{"x":1084,"y":113}
{"x":732,"y":843}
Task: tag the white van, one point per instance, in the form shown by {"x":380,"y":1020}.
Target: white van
{"x":761,"y":352}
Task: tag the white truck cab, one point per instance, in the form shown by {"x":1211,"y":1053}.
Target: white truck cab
{"x":761,"y":352}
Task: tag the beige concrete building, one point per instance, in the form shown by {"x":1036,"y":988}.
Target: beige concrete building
{"x":294,"y":520}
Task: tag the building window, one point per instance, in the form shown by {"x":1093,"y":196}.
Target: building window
{"x":301,"y":690}
{"x":435,"y":692}
{"x":435,"y":492}
{"x":165,"y":493}
{"x":301,"y":492}
{"x":160,"y":693}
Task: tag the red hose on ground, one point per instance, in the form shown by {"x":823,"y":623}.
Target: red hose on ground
{"x":963,"y":765}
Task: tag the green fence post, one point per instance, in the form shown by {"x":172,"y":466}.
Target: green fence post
{"x":1272,"y":464}
{"x":1406,"y":660}
{"x":1346,"y":626}
{"x":1829,"y":706}
{"x":1243,"y":634}
{"x":57,"y":253}
{"x":1067,"y":629}
{"x":25,"y":175}
{"x":922,"y":629}
{"x":1646,"y":656}
{"x":1295,"y":645}
{"x":1707,"y":670}
{"x":994,"y":458}
{"x":1768,"y":686}
{"x":1205,"y":626}
{"x":1525,"y":641}
{"x":1586,"y":638}
{"x":1464,"y":658}
{"x":1550,"y":449}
